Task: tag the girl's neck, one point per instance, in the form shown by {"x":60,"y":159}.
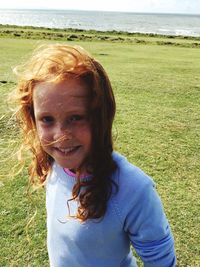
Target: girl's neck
{"x":73,"y":173}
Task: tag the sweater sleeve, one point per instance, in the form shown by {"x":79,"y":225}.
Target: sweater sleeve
{"x":148,"y":229}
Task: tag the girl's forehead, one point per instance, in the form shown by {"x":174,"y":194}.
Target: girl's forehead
{"x":48,"y":96}
{"x":72,"y":87}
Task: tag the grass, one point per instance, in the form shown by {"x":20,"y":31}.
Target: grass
{"x":30,"y":32}
{"x":157,"y":89}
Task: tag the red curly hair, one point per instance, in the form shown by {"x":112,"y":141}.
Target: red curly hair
{"x":58,"y":62}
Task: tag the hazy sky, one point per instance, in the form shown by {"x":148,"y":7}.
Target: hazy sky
{"x":163,"y":6}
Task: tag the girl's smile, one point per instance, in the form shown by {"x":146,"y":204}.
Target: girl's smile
{"x":61,"y":116}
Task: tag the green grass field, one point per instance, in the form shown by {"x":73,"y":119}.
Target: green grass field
{"x":157,"y":126}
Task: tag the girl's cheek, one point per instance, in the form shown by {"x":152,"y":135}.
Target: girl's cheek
{"x":44,"y":135}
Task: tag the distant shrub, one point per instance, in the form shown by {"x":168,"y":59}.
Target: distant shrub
{"x":73,"y":36}
{"x":16,"y":34}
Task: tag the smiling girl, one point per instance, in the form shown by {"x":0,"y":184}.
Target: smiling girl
{"x":98,"y":203}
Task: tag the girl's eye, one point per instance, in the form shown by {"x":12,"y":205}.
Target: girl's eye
{"x":47,"y":119}
{"x":76,"y":118}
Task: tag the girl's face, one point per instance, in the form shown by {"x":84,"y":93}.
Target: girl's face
{"x":62,"y":123}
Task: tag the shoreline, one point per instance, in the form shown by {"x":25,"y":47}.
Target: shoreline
{"x":151,"y":34}
{"x":73,"y":34}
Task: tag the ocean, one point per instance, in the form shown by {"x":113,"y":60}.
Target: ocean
{"x":166,"y":24}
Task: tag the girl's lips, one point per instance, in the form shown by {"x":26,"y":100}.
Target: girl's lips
{"x":67,"y":151}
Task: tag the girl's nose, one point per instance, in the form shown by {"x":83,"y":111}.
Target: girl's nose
{"x":62,"y":133}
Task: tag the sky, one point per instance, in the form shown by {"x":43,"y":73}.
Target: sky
{"x":157,"y":6}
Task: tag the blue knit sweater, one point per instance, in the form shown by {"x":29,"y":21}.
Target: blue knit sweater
{"x":134,"y":216}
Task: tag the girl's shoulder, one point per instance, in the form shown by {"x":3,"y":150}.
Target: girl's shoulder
{"x":136,"y":193}
{"x":129,"y":178}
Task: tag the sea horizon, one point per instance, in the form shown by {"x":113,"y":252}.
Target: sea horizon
{"x":142,"y":22}
{"x":106,"y":11}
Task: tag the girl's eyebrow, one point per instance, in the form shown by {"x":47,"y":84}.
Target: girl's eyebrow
{"x":40,"y":114}
{"x":70,"y":112}
{"x":43,"y":112}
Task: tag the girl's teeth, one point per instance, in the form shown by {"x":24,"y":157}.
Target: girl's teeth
{"x":66,"y":150}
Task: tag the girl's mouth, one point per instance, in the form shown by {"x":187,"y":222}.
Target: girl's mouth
{"x":67,"y":151}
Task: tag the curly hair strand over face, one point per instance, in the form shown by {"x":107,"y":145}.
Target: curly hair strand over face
{"x":55,"y":63}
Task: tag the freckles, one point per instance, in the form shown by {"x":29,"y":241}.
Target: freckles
{"x":42,"y":135}
{"x":39,"y":132}
{"x":86,"y":130}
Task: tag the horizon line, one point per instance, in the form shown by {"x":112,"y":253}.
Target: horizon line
{"x":113,"y":11}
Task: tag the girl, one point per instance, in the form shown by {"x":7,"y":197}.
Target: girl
{"x":97,"y":202}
